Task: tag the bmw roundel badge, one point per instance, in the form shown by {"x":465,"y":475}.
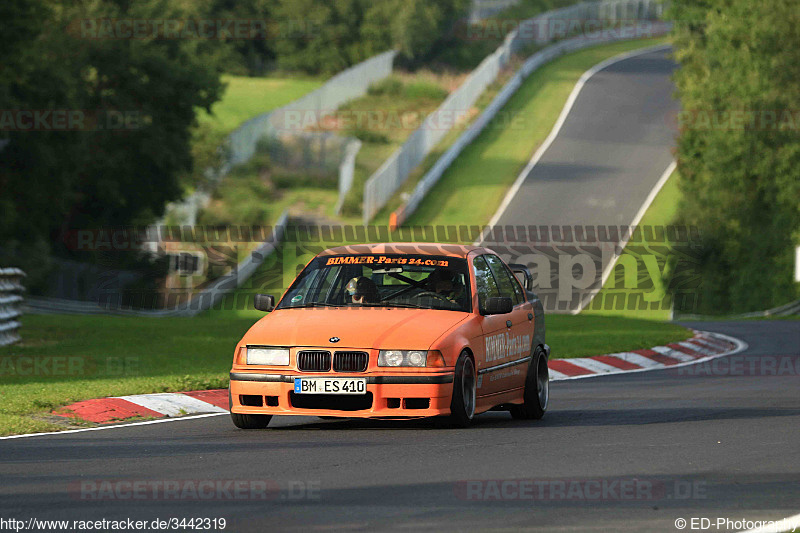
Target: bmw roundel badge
{"x":334,"y":339}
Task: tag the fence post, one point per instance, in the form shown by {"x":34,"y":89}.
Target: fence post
{"x":346,"y":171}
{"x":11,"y":289}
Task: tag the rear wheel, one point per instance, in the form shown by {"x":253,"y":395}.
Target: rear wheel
{"x":247,"y":421}
{"x":537,"y":389}
{"x":462,"y":406}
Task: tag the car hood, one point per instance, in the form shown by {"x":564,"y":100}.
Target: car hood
{"x":382,"y":328}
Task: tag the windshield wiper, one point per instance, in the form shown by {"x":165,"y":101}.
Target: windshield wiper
{"x":312,"y":304}
{"x":399,"y":304}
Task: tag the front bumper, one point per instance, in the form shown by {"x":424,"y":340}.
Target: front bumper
{"x":407,"y":395}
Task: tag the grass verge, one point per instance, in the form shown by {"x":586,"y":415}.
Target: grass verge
{"x":246,"y":97}
{"x":612,"y":298}
{"x":67,"y":358}
{"x":243,"y":99}
{"x":385,"y":118}
{"x":64,"y":358}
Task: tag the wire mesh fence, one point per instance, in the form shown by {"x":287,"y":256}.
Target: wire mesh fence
{"x":291,"y":139}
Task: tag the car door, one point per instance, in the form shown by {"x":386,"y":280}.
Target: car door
{"x":506,"y":337}
{"x":520,"y":331}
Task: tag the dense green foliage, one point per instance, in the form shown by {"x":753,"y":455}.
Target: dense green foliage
{"x":328,"y":36}
{"x":120,"y":163}
{"x":137,"y":97}
{"x":739,"y":146}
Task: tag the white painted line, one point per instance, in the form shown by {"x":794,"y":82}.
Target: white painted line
{"x":675,"y":354}
{"x":636,"y":359}
{"x":712,"y":341}
{"x":712,"y":347}
{"x":115,"y":426}
{"x":691,"y":345}
{"x":557,"y":128}
{"x":739,"y":346}
{"x":172,"y":405}
{"x":555,"y":375}
{"x":779,"y":525}
{"x":593,"y":365}
{"x":638,"y":218}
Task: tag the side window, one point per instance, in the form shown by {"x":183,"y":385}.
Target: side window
{"x":505,"y":280}
{"x":484,"y":280}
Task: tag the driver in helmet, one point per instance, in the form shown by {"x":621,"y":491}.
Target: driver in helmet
{"x":445,"y":283}
{"x":363,"y":290}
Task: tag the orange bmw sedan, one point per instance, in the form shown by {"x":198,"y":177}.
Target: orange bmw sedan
{"x":395,"y":331}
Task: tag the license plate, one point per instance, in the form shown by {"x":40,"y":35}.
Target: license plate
{"x":330,"y":385}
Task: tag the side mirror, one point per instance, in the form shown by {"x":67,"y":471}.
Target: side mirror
{"x":498,"y":305}
{"x":264,"y":302}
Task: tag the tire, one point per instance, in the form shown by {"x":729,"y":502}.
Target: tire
{"x":247,"y":421}
{"x":462,"y":406}
{"x":537,"y":389}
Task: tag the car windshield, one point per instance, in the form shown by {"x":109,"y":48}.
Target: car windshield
{"x":382,"y":280}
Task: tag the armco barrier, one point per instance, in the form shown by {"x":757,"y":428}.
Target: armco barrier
{"x":11,"y":290}
{"x":382,"y":185}
{"x":400,"y":215}
{"x":206,"y":299}
{"x":482,"y":9}
{"x":792,"y":308}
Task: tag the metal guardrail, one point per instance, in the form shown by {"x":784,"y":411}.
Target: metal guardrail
{"x":482,"y":9}
{"x":206,"y":299}
{"x":792,"y":308}
{"x":382,"y":185}
{"x":11,"y":290}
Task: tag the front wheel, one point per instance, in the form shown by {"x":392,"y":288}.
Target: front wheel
{"x":247,"y":421}
{"x":537,"y":389}
{"x":250,"y":421}
{"x":462,"y":406}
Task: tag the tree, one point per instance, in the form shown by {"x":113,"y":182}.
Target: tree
{"x":327,"y":36}
{"x":120,"y":164}
{"x":739,"y":146}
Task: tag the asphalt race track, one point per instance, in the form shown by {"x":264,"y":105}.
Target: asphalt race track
{"x":677,"y":444}
{"x":609,"y":154}
{"x":610,"y":151}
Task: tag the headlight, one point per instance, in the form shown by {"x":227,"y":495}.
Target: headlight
{"x":404,"y":357}
{"x":390,"y":358}
{"x":267,"y":355}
